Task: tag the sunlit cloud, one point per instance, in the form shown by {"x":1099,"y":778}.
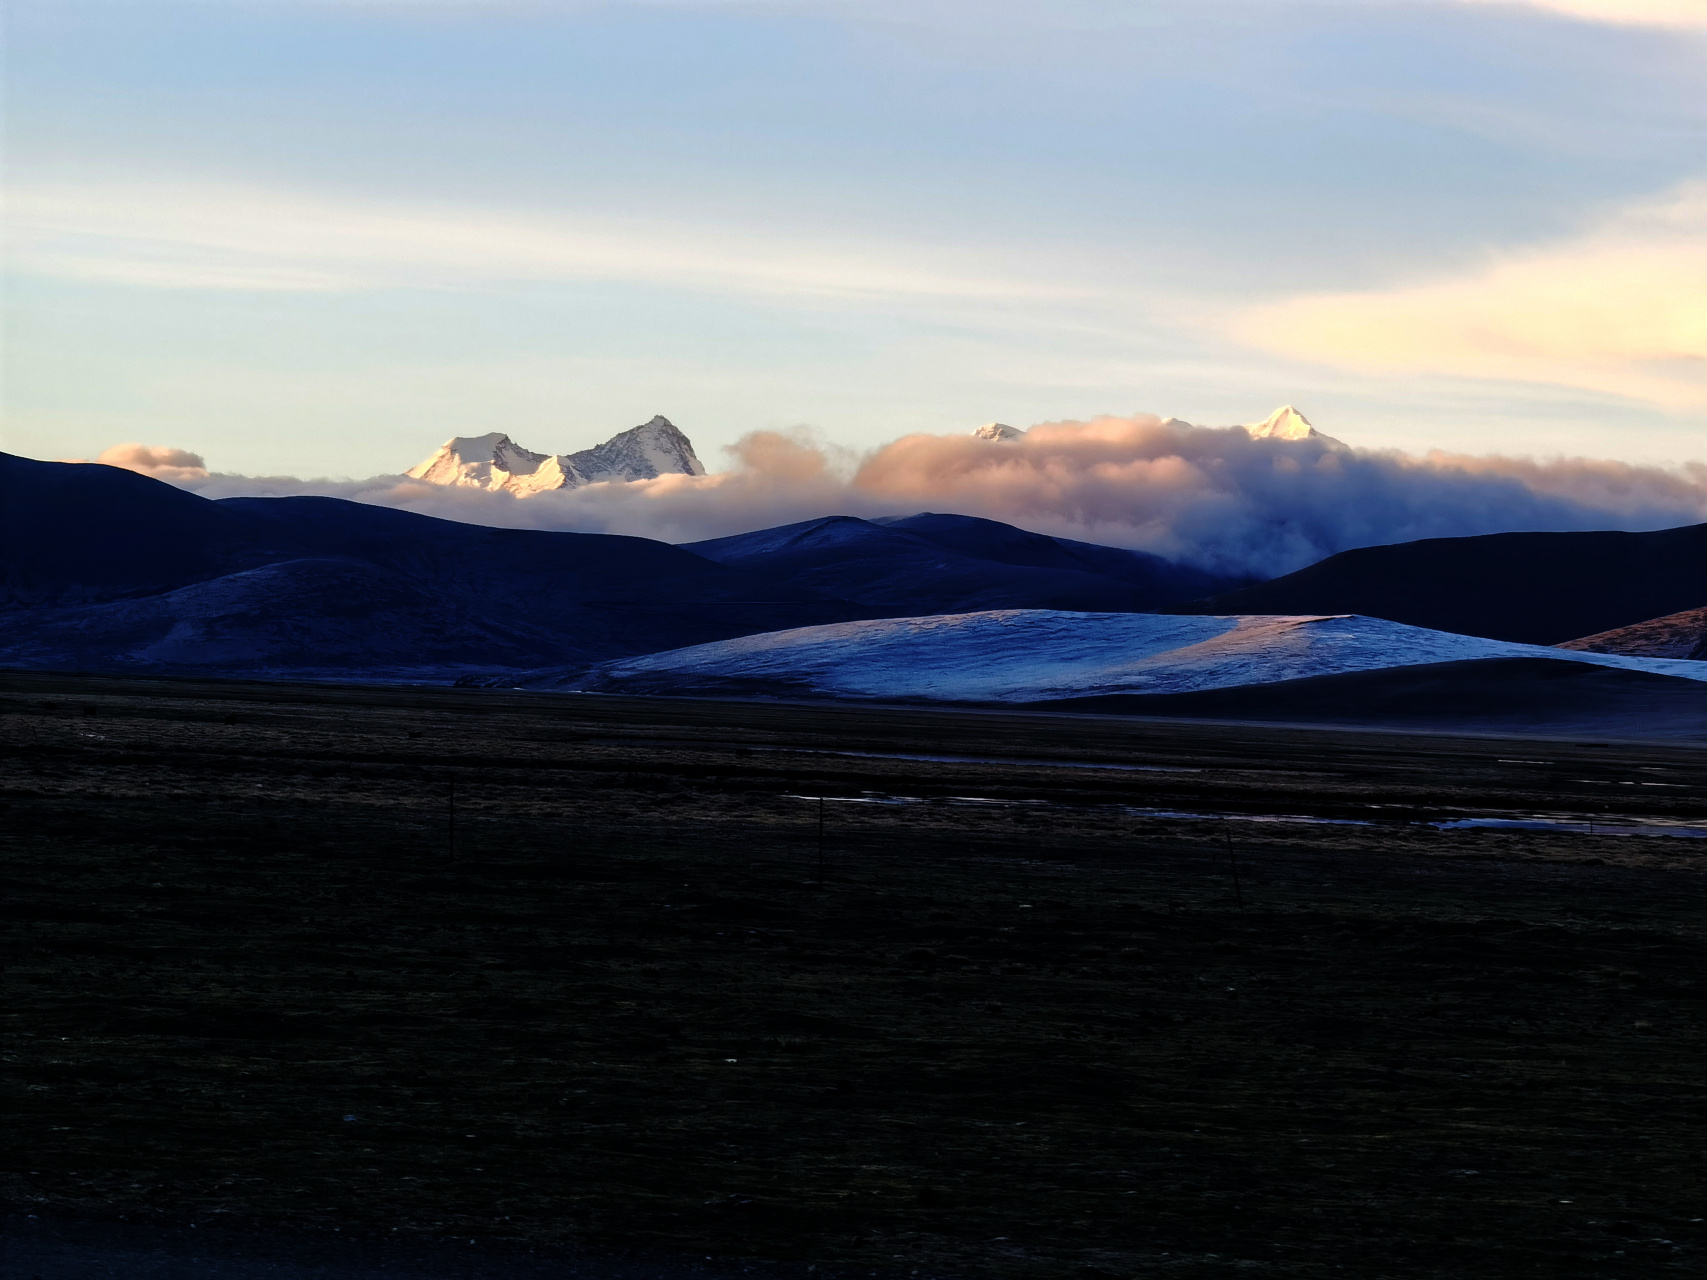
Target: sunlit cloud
{"x":177,"y":466}
{"x":1621,"y":310}
{"x":1683,"y":14}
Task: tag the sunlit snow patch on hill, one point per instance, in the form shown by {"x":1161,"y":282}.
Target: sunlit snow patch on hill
{"x":1041,"y":655}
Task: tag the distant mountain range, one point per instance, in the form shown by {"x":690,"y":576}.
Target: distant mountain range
{"x":496,"y":462}
{"x":657,"y":448}
{"x":105,"y":569}
{"x":1285,"y":423}
{"x":1534,"y":588}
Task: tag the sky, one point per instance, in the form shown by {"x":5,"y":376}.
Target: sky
{"x":317,"y":238}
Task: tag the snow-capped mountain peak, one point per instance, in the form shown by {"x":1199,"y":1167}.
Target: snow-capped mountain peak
{"x":997,"y":431}
{"x":473,"y":461}
{"x":653,"y":449}
{"x":1285,"y":423}
{"x":494,"y":461}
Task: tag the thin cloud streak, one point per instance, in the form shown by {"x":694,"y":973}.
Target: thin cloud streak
{"x":1213,"y":497}
{"x":217,"y":237}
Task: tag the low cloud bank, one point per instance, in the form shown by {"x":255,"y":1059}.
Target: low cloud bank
{"x":1211,"y":497}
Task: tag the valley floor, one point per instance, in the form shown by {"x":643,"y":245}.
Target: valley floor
{"x":1010,"y":1017}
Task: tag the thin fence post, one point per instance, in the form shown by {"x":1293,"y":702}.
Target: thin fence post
{"x":1233,"y":862}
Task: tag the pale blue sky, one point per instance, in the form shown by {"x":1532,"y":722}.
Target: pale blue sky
{"x":318,"y":238}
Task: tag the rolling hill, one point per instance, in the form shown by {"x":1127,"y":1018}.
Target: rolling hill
{"x":101,"y":568}
{"x":1042,"y":656}
{"x":931,"y":563}
{"x":1533,"y":588}
{"x":1677,"y":635}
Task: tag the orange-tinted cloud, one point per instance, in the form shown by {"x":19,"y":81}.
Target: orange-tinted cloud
{"x":1679,"y":14}
{"x":1621,"y":310}
{"x":160,"y":461}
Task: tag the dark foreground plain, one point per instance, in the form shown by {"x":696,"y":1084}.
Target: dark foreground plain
{"x":1009,"y":1024}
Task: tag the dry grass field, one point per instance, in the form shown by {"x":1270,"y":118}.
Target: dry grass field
{"x":1017,"y":1017}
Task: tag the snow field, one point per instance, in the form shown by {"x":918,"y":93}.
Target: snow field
{"x":1033,"y":655}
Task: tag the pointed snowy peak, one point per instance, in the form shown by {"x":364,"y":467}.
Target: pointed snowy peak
{"x":997,"y":431}
{"x":645,"y":452}
{"x":1286,"y":423}
{"x":480,"y":462}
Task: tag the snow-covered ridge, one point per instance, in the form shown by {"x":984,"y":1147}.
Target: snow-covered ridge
{"x":1036,"y":655}
{"x":496,"y":462}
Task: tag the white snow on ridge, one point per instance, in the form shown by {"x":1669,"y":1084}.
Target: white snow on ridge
{"x":1031,"y":655}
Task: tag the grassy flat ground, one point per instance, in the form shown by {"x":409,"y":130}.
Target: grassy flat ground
{"x":251,"y":970}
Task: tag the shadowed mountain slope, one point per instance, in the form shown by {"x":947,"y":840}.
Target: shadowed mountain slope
{"x":101,"y":567}
{"x":931,"y":563}
{"x":1533,"y":588}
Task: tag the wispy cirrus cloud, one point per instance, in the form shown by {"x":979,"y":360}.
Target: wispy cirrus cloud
{"x":210,"y":236}
{"x":1621,"y":309}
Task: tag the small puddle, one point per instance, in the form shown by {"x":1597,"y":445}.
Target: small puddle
{"x":1188,"y":816}
{"x":998,"y":803}
{"x":1017,"y":760}
{"x":1580,"y":824}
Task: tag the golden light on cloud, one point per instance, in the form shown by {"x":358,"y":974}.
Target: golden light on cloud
{"x":1637,"y":13}
{"x":1622,"y":310}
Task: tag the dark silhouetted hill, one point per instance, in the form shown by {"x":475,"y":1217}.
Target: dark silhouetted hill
{"x":1535,"y":588}
{"x":103,"y":568}
{"x":931,"y":563}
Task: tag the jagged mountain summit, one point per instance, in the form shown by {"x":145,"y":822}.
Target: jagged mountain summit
{"x":997,"y":431}
{"x":1286,"y":423}
{"x":496,"y":462}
